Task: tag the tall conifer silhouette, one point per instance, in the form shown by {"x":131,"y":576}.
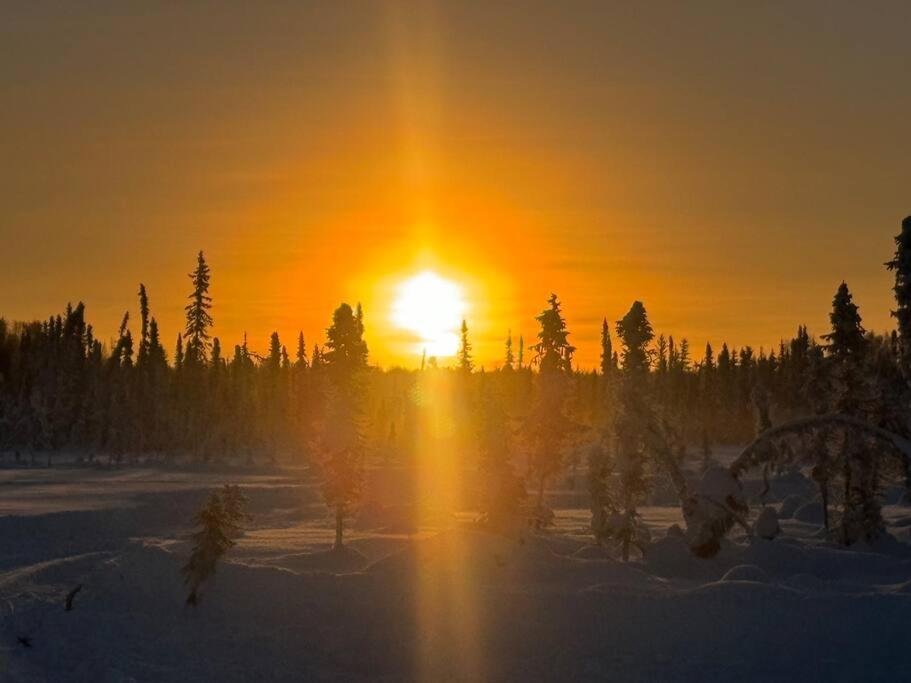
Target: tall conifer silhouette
{"x":199,"y":320}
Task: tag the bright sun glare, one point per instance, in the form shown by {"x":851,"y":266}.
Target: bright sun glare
{"x":432,"y":308}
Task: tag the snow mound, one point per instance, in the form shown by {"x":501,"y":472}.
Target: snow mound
{"x":749,"y":593}
{"x":671,"y":557}
{"x":810,"y":513}
{"x":745,"y":572}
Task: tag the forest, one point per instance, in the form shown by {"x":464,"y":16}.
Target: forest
{"x":628,"y":425}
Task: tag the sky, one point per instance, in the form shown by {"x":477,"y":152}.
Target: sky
{"x":728,"y":164}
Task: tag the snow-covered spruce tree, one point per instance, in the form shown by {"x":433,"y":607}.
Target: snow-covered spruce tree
{"x":502,"y":492}
{"x":602,"y":492}
{"x":547,"y":425}
{"x":631,"y":423}
{"x":342,"y":440}
{"x":850,"y":395}
{"x":899,"y":393}
{"x":901,"y":266}
{"x":217,"y":523}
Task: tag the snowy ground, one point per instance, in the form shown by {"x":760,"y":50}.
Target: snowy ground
{"x":433,"y":602}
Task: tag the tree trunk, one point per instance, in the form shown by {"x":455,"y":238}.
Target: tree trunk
{"x":339,"y":526}
{"x":846,"y":513}
{"x":824,"y":494}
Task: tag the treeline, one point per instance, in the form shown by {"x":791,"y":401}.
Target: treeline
{"x":521,"y":425}
{"x":62,"y":389}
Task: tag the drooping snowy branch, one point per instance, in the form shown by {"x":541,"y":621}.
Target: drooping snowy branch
{"x":759,"y":451}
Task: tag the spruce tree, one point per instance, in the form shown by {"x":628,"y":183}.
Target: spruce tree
{"x":301,"y":355}
{"x":464,"y":357}
{"x":683,"y":357}
{"x":359,"y":319}
{"x":199,"y":320}
{"x":607,"y":350}
{"x":143,"y":354}
{"x":509,"y":360}
{"x":708,"y":360}
{"x":274,"y":359}
{"x":862,"y":516}
{"x":216,"y":359}
{"x":553,"y":350}
{"x":156,"y":350}
{"x":708,"y":402}
{"x":343,"y":448}
{"x":846,"y":340}
{"x":346,"y":350}
{"x":662,"y":355}
{"x":635,"y":332}
{"x":178,"y":353}
{"x":548,"y":425}
{"x":901,"y":266}
{"x":632,"y":424}
{"x":217,"y":524}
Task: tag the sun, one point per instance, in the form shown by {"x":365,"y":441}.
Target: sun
{"x":430,"y":307}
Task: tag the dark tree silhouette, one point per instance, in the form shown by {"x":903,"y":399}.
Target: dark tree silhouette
{"x":633,"y":421}
{"x":548,"y":425}
{"x":464,"y":356}
{"x":607,"y":350}
{"x":199,"y":320}
{"x":343,"y":448}
{"x":901,"y":266}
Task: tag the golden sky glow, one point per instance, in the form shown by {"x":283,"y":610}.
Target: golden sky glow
{"x":728,"y":164}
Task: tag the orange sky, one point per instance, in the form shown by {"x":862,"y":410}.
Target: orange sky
{"x":727,"y":164}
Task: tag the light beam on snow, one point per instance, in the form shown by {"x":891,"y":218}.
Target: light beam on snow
{"x":447,"y":606}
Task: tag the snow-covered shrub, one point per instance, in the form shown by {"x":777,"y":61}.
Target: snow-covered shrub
{"x":218,"y":522}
